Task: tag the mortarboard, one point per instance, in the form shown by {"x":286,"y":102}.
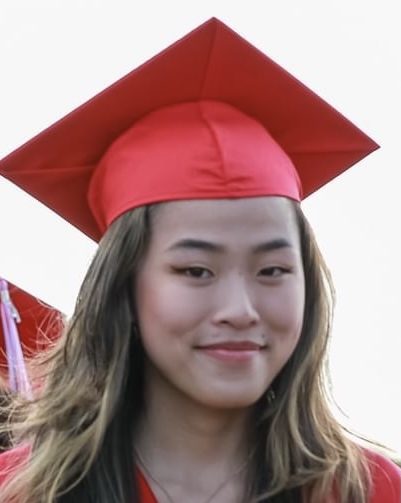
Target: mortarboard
{"x":26,"y":324}
{"x":209,"y":117}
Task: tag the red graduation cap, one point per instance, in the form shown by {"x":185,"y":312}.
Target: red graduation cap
{"x":209,"y":117}
{"x":37,"y":324}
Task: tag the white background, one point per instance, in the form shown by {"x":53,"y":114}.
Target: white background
{"x":56,"y":54}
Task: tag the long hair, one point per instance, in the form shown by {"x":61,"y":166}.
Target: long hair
{"x":5,"y":400}
{"x":305,"y":452}
{"x":81,"y":426}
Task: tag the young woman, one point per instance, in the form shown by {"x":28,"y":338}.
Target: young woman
{"x":193,"y":368}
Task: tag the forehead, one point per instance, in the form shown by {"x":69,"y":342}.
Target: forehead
{"x":225,"y":219}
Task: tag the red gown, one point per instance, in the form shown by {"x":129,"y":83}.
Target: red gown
{"x":385,"y":474}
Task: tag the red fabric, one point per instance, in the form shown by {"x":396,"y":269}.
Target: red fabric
{"x":210,"y":63}
{"x":11,"y":460}
{"x":386,"y":480}
{"x":40,"y":323}
{"x":385,"y":474}
{"x":198,"y":150}
{"x":145,"y":491}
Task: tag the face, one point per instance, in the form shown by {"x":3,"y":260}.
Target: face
{"x":220,"y":297}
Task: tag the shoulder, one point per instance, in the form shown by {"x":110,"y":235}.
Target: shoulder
{"x":386,"y":479}
{"x":11,"y":460}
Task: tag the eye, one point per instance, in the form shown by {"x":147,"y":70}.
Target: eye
{"x":274,"y":271}
{"x":195,"y":272}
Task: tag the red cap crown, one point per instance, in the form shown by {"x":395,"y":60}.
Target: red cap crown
{"x":198,"y":150}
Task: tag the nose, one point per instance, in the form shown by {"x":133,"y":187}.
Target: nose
{"x":235,"y":306}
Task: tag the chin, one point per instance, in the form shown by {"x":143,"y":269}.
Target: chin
{"x":231,"y":399}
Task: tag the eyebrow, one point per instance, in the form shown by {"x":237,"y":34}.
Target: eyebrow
{"x":200,"y":244}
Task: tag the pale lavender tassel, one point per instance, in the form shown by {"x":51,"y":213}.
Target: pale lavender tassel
{"x":17,"y":373}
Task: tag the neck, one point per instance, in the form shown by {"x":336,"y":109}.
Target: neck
{"x":179,"y":438}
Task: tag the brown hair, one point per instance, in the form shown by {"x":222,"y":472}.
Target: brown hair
{"x":82,"y":424}
{"x":5,"y":401}
{"x":313,"y":454}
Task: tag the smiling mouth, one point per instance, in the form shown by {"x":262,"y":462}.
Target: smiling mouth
{"x":233,"y":346}
{"x":232,"y":352}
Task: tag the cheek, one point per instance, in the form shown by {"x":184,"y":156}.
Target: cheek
{"x":285,"y":310}
{"x":164,"y":306}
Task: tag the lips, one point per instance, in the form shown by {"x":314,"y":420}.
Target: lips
{"x":233,"y":346}
{"x":232,"y":352}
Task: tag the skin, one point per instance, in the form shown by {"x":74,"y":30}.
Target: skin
{"x":246,"y":284}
